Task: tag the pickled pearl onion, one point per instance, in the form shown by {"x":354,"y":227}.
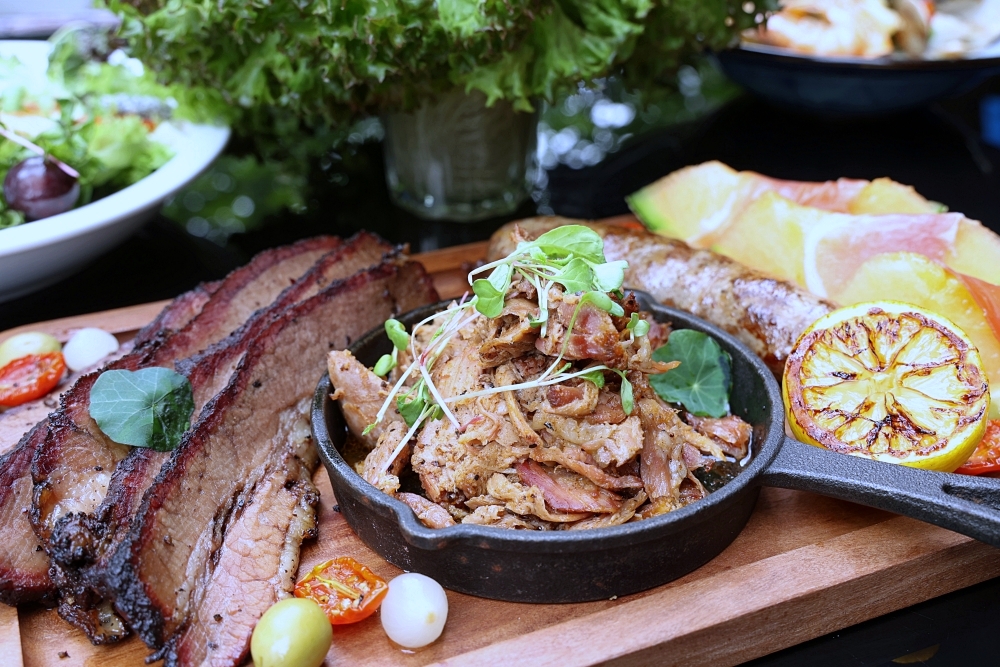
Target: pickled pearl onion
{"x":87,"y":347}
{"x":414,"y":610}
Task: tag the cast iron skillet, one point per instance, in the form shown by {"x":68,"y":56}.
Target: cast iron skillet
{"x":576,"y":566}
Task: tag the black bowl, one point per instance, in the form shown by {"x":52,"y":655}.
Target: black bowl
{"x":851,"y":86}
{"x":559,"y":566}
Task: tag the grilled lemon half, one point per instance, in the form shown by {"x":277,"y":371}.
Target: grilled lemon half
{"x":888,"y":381}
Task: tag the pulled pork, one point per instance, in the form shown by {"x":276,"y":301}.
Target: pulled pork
{"x":543,"y":457}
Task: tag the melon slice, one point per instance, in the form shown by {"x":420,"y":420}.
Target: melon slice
{"x":770,"y":236}
{"x":884,"y":195}
{"x":698,"y":204}
{"x":821,"y":250}
{"x":915,"y":279}
{"x":976,"y":252}
{"x":689,"y":203}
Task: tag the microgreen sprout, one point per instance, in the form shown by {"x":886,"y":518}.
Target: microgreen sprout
{"x":638,"y":326}
{"x":571,"y":256}
{"x":400,"y":341}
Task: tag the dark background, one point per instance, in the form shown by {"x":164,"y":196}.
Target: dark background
{"x":937,"y":150}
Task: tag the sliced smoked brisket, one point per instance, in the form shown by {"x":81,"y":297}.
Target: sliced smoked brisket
{"x":188,"y":550}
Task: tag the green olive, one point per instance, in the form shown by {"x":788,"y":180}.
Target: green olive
{"x":31,"y":342}
{"x":294,"y":632}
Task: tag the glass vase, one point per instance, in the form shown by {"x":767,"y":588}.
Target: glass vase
{"x":454,"y":158}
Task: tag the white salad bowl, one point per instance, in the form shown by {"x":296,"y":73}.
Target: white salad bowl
{"x":36,"y":254}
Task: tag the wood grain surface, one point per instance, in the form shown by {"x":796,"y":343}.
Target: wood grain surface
{"x":804,"y":566}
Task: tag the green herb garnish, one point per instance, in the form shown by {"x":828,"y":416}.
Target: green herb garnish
{"x":703,"y":380}
{"x":628,"y":402}
{"x":571,"y":256}
{"x":637,"y":325}
{"x":150,"y":407}
{"x":396,"y":332}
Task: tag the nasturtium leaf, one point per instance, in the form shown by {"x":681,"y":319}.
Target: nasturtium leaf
{"x":577,"y":240}
{"x":597,"y":377}
{"x":611,"y":275}
{"x":150,"y":407}
{"x":702,"y":381}
{"x":397,"y":334}
{"x":576,"y":276}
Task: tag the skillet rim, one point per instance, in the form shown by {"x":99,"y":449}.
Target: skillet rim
{"x":421,"y":536}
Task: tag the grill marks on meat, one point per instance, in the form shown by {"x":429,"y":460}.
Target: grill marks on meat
{"x":766,"y":314}
{"x":73,"y":468}
{"x":24,"y":566}
{"x":178,"y":537}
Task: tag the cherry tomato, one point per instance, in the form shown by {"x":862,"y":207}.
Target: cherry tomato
{"x":30,"y":377}
{"x":986,"y":459}
{"x":346,"y":590}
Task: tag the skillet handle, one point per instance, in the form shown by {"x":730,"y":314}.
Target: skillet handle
{"x":965,"y":504}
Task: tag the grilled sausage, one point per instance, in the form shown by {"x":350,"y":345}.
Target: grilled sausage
{"x":766,"y":314}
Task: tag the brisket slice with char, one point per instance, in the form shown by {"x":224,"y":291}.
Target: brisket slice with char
{"x":257,"y":561}
{"x":24,"y":565}
{"x":178,"y":312}
{"x":210,"y":369}
{"x":71,"y":469}
{"x":74,"y":465}
{"x":81,"y":543}
{"x":189,"y":544}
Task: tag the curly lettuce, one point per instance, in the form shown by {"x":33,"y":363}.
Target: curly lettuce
{"x":282,"y":71}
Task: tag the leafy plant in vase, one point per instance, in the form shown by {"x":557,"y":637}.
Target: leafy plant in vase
{"x":456,"y":82}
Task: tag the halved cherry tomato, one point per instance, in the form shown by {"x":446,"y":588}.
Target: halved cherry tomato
{"x":30,"y":377}
{"x":346,"y":590}
{"x":986,"y":459}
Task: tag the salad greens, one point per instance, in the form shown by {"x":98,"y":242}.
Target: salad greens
{"x":96,"y":116}
{"x":703,"y":380}
{"x":150,"y":407}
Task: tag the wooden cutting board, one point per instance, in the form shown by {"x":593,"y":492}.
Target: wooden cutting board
{"x":804,"y":566}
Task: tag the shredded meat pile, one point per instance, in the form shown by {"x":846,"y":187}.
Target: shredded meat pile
{"x":563,"y":456}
